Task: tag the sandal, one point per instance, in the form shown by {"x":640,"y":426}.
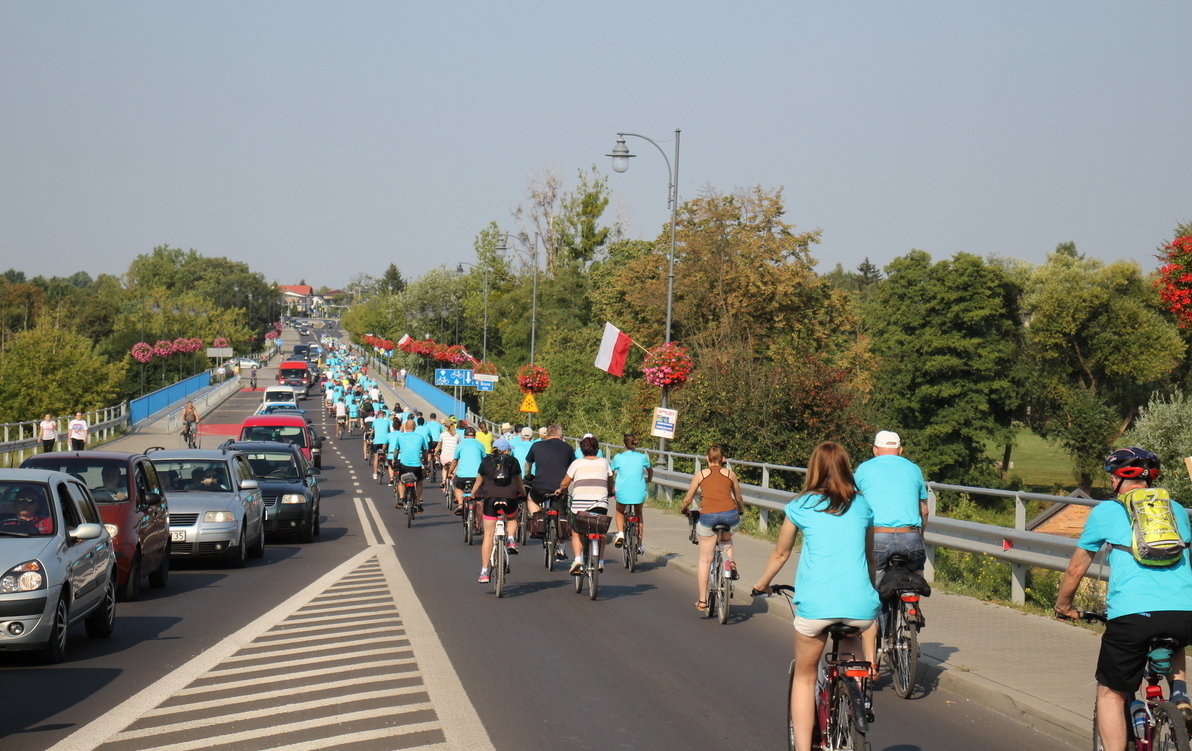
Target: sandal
{"x":702,"y":606}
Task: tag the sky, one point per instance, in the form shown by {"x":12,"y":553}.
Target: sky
{"x":317,"y":141}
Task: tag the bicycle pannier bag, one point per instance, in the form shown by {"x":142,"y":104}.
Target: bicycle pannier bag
{"x":1154,"y":536}
{"x":538,"y":525}
{"x":591,"y":524}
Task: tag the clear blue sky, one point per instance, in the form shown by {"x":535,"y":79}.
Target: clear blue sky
{"x":317,"y":140}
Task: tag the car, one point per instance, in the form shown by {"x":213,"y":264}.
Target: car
{"x":281,"y":408}
{"x":244,"y":363}
{"x":289,"y":486}
{"x":288,"y":428}
{"x":280,"y":395}
{"x":132,"y":507}
{"x":216,"y":508}
{"x":57,"y":560}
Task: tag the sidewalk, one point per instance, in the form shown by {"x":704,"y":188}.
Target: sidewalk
{"x":1035,"y":670}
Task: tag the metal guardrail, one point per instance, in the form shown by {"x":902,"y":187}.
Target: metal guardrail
{"x":203,"y":402}
{"x":22,"y":438}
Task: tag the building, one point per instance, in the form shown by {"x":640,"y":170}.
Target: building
{"x":299,"y":296}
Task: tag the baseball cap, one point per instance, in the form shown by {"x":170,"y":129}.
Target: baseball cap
{"x":887,"y":439}
{"x":527,"y":432}
{"x":502,"y":445}
{"x":469,"y":430}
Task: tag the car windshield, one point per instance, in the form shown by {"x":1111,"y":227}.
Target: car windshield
{"x":25,"y":510}
{"x":273,"y":465}
{"x":200,"y":475}
{"x":107,"y":478}
{"x":279,"y":396}
{"x":294,"y":372}
{"x":284,"y":433}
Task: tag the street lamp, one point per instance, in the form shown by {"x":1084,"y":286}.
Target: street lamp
{"x":501,"y":250}
{"x":621,"y":157}
{"x":459,"y":269}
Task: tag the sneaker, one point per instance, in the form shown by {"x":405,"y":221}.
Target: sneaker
{"x":619,"y":540}
{"x":511,"y":546}
{"x":600,"y":567}
{"x":419,"y":509}
{"x":483,"y":578}
{"x":640,"y":551}
{"x":577,"y":567}
{"x":560,"y":555}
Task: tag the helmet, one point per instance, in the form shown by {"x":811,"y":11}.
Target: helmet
{"x":1133,"y":464}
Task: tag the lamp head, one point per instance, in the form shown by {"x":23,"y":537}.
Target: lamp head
{"x":620,"y":155}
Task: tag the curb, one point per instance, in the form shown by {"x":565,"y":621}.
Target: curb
{"x":1055,"y":722}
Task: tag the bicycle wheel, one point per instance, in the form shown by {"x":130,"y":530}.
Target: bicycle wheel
{"x":904,"y":652}
{"x":499,"y":559}
{"x":843,"y":731}
{"x":593,"y":568}
{"x":523,"y":524}
{"x":790,"y":720}
{"x":1169,"y":733}
{"x":409,"y":507}
{"x":631,"y":546}
{"x":710,"y":590}
{"x":723,"y":595}
{"x":548,"y":545}
{"x":583,"y":572}
{"x":468,"y":523}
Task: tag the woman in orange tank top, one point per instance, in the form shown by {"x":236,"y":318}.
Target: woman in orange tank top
{"x":720,"y":503}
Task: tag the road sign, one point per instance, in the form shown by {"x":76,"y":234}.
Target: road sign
{"x":219,"y":351}
{"x":453,"y":377}
{"x":484,"y":377}
{"x":484,"y":385}
{"x":664,"y":423}
{"x":528,"y":404}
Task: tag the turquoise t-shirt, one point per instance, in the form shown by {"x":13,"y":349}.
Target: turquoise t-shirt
{"x":410,"y":447}
{"x":424,"y":431}
{"x":520,"y":449}
{"x":1133,"y":587}
{"x":436,"y":430}
{"x":468,"y":453}
{"x":893,"y":485}
{"x":833,"y":576}
{"x":381,"y":429}
{"x":630,"y":467}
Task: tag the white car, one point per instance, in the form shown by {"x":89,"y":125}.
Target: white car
{"x":57,"y":560}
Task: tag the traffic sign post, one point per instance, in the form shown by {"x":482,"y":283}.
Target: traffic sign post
{"x":664,"y":423}
{"x":528,"y":404}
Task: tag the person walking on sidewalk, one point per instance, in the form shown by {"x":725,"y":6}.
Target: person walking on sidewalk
{"x":48,"y":433}
{"x":1144,"y":601}
{"x":78,"y":430}
{"x":720,"y":503}
{"x":833,"y":583}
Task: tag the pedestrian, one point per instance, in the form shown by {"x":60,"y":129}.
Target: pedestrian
{"x":78,"y":430}
{"x":49,"y":433}
{"x":401,"y":374}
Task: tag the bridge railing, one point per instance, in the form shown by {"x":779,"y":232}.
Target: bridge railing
{"x":20,"y":439}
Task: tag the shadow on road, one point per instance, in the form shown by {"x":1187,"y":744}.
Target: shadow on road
{"x":45,"y":691}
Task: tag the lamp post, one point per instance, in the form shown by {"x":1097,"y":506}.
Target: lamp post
{"x":501,"y":249}
{"x":621,"y":157}
{"x":459,"y":269}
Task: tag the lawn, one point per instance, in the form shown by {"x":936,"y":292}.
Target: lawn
{"x":1043,"y":466}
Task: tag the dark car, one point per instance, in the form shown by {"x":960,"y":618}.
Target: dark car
{"x":288,"y":484}
{"x":133,"y":508}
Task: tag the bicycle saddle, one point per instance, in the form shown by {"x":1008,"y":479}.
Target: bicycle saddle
{"x":721,"y":528}
{"x":841,"y":631}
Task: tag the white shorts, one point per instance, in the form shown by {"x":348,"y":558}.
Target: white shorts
{"x":815,"y":626}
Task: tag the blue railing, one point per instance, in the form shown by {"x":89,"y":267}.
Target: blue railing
{"x":149,"y":404}
{"x":441,"y":401}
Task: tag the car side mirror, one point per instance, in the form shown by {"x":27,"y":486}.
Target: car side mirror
{"x":151,"y":498}
{"x":313,"y":471}
{"x":250,"y":484}
{"x":86,"y":532}
{"x":318,"y":443}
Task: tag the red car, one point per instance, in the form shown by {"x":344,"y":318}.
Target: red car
{"x":287,"y":429}
{"x":132,"y":507}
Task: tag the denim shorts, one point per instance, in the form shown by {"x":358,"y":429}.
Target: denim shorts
{"x":732,"y":517}
{"x":909,"y":544}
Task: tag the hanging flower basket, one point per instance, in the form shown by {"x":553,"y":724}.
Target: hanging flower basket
{"x":163,"y":348}
{"x":457,"y":355}
{"x":1175,"y":279}
{"x":270,"y":335}
{"x":220,"y":342}
{"x":182,"y":345}
{"x":196,"y":344}
{"x":142,"y":352}
{"x":533,"y":379}
{"x":668,"y":365}
{"x":485,"y":368}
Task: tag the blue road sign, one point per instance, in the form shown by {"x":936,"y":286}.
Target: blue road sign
{"x":453,"y":377}
{"x":484,"y":385}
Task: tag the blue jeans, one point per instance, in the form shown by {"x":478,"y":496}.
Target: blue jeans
{"x":909,"y":544}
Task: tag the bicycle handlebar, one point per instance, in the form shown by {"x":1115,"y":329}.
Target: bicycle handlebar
{"x":1088,"y":616}
{"x":775,"y":589}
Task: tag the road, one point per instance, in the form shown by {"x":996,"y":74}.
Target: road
{"x":377,"y":636}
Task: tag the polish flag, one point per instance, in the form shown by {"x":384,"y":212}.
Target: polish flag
{"x":404,"y":338}
{"x":614,"y":346}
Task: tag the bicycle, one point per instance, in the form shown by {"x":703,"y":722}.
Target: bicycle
{"x":899,"y":622}
{"x":498,"y":560}
{"x":408,"y":500}
{"x":719,"y":593}
{"x":591,"y":527}
{"x":189,"y":432}
{"x":1152,"y":723}
{"x":842,"y":692}
{"x":523,"y":524}
{"x":471,"y":518}
{"x":340,"y":423}
{"x":633,"y":536}
{"x":552,"y":533}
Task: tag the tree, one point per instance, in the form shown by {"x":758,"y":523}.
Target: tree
{"x":948,"y":338}
{"x":1099,"y":347}
{"x":1163,"y":428}
{"x":57,"y":371}
{"x":392,"y":282}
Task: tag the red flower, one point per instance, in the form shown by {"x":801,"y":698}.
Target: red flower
{"x":1175,"y":279}
{"x":668,"y":365}
{"x":533,"y":379}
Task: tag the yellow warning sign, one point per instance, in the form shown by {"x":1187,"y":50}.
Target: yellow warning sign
{"x":528,"y":404}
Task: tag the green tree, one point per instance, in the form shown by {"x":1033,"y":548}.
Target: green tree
{"x":948,"y":339}
{"x":56,"y":371}
{"x":1163,"y":427}
{"x":392,"y":281}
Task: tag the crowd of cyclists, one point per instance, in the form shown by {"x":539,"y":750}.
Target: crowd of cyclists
{"x":853,"y":525}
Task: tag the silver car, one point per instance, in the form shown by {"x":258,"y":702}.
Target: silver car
{"x":216,"y":509}
{"x":57,"y":560}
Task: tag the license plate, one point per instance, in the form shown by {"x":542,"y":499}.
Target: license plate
{"x":178,"y":536}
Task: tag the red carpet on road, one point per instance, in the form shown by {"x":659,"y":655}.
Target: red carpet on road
{"x":231,"y":429}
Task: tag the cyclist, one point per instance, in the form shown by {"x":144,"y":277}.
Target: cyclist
{"x":897,"y":493}
{"x":190,"y":419}
{"x":1142,"y":602}
{"x":448,"y":440}
{"x":499,"y":483}
{"x":354,"y":414}
{"x":434,"y":430}
{"x":380,"y":441}
{"x":407,"y":450}
{"x":465,"y":463}
{"x":720,"y":503}
{"x":633,"y":472}
{"x":549,"y":460}
{"x":341,"y":416}
{"x":834,"y":582}
{"x":252,"y":381}
{"x":593,"y":481}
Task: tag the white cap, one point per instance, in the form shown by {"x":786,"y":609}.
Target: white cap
{"x":887,"y":439}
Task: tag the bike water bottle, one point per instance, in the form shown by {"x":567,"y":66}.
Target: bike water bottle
{"x":1138,"y":717}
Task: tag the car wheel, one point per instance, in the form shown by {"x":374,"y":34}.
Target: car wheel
{"x":132,"y":587}
{"x":101,"y":622}
{"x":307,"y":534}
{"x":317,"y":520}
{"x":159,"y":578}
{"x":239,"y":554}
{"x":59,"y":631}
{"x":258,"y":548}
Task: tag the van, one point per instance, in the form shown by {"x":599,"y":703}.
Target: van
{"x":296,"y":373}
{"x":280,"y":395}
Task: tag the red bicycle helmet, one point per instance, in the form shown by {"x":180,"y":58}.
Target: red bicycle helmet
{"x":1133,"y":464}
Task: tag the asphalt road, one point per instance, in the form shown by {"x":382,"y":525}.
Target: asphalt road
{"x":543,"y":667}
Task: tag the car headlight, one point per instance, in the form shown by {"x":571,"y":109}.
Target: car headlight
{"x":293,"y":498}
{"x":113,"y":530}
{"x":219,"y":516}
{"x":23,"y":577}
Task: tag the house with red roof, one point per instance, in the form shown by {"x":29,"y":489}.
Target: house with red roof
{"x":298,"y":295}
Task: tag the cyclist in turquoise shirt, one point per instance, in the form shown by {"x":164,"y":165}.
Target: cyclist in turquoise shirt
{"x":1143,"y":601}
{"x":834,"y":580}
{"x":633,"y":472}
{"x":410,"y":448}
{"x":381,"y":429}
{"x":466,"y":465}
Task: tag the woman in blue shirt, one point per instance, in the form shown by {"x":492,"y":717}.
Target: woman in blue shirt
{"x":833,"y":583}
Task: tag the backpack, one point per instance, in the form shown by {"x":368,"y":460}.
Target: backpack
{"x":502,"y":474}
{"x":1154,"y":535}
